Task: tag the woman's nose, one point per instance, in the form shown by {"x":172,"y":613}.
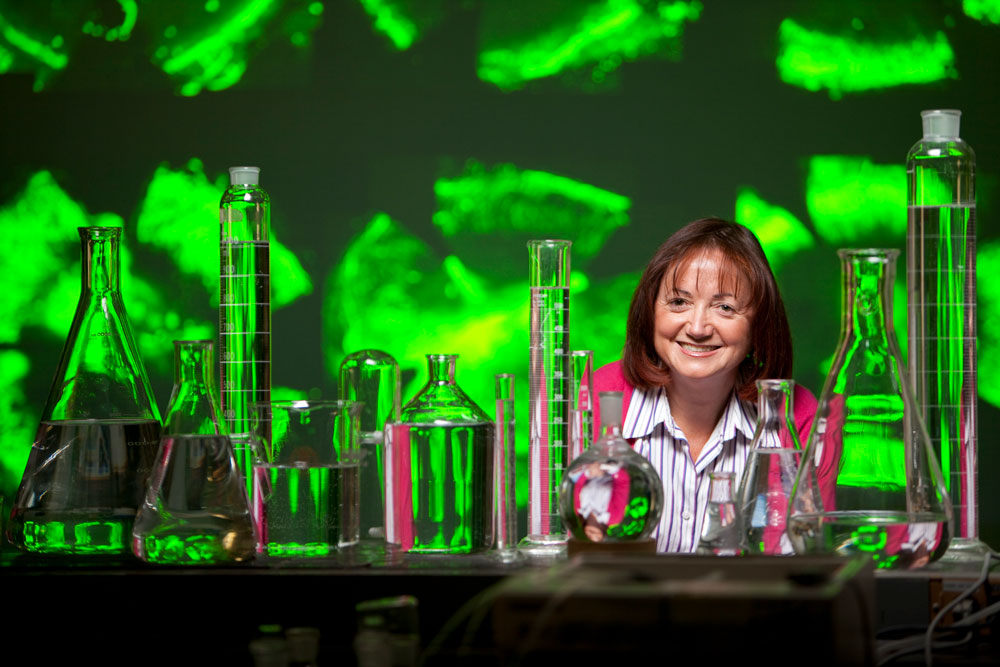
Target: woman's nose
{"x":700,"y":324}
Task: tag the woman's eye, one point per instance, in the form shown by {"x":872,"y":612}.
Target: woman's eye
{"x":726,"y":308}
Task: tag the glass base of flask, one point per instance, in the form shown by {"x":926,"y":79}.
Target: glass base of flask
{"x":543,"y":547}
{"x":71,"y":532}
{"x":965,"y":550}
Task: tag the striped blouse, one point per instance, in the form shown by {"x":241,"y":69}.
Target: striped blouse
{"x":685,"y":482}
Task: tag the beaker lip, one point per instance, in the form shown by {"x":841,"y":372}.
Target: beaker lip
{"x":548,"y":242}
{"x":442,"y":357}
{"x":928,"y":112}
{"x":774,"y":382}
{"x":875,"y":253}
{"x":98,"y":231}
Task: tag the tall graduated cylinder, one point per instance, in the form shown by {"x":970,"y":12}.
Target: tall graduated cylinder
{"x":244,"y":307}
{"x":941,"y":285}
{"x":549,"y":383}
{"x":439,"y":480}
{"x":95,"y":447}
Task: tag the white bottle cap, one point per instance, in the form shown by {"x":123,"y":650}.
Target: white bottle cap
{"x":243,"y":175}
{"x":941,"y":123}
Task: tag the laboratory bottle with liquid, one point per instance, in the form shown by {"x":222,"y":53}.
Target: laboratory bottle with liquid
{"x":95,"y":446}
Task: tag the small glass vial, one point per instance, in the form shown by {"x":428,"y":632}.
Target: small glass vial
{"x":721,"y":534}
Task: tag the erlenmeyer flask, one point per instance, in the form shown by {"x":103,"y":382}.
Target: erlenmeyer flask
{"x":869,"y":481}
{"x":439,"y":487}
{"x":610,"y":493}
{"x":196,"y":509}
{"x":721,"y":534}
{"x":768,"y":478}
{"x":90,"y":461}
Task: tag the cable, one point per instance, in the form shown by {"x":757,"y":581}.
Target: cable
{"x":968,"y":592}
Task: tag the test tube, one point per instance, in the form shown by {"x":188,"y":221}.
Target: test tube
{"x":504,"y":489}
{"x":581,"y":403}
{"x":549,"y":378}
{"x":372,"y":377}
{"x":244,"y":308}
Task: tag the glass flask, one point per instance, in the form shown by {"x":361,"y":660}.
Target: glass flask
{"x":196,"y":509}
{"x":610,"y":493}
{"x":96,"y":443}
{"x":869,"y":482}
{"x":306,"y":492}
{"x":549,"y":378}
{"x":941,"y":297}
{"x":766,"y":486}
{"x":439,"y":490}
{"x":721,"y":533}
{"x":372,"y":377}
{"x":244,"y":307}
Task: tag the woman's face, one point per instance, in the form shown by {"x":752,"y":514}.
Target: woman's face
{"x":702,"y":330}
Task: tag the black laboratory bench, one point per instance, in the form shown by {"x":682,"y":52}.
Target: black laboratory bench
{"x":476,"y":610}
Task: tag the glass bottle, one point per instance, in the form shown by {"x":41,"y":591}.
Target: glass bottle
{"x":869,"y":482}
{"x":769,"y":475}
{"x":244,"y":307}
{"x":96,"y":443}
{"x":721,"y":533}
{"x":196,"y":509}
{"x":941,"y":296}
{"x":610,"y":493}
{"x":439,"y":489}
{"x":372,"y":377}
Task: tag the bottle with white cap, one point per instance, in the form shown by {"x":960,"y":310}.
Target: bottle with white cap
{"x":941,"y":282}
{"x":244,"y":307}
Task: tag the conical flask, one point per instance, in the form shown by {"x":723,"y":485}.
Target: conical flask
{"x":610,"y":493}
{"x":90,"y":461}
{"x":768,"y":478}
{"x":869,"y":482}
{"x":196,"y":509}
{"x":721,"y":533}
{"x":439,"y":487}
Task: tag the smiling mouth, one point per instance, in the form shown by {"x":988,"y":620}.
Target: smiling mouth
{"x":691,"y":347}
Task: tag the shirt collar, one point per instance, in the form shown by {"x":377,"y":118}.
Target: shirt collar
{"x":650,"y":407}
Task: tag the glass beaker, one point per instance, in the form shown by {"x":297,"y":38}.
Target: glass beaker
{"x":88,"y":467}
{"x":766,"y":486}
{"x":439,"y":489}
{"x":196,"y":509}
{"x":610,"y":493}
{"x":549,"y":380}
{"x":306,"y":493}
{"x":869,"y":482}
{"x":941,"y":291}
{"x":244,"y":307}
{"x":721,"y":533}
{"x":372,"y":377}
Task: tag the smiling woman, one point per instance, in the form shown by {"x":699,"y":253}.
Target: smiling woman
{"x":706,"y":321}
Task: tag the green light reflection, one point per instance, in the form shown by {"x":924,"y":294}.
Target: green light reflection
{"x":984,"y":11}
{"x":849,"y":197}
{"x":780,"y":233}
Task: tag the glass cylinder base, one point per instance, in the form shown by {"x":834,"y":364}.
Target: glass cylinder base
{"x":965,"y":550}
{"x":543,"y":547}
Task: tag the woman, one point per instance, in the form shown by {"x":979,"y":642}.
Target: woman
{"x":706,"y":322}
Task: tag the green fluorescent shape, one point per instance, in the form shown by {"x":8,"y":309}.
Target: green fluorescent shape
{"x":505,"y":199}
{"x":814,"y":60}
{"x":984,"y":11}
{"x":780,"y":233}
{"x":32,"y":47}
{"x":217,"y":60}
{"x":391,"y":21}
{"x":849,"y":198}
{"x":988,"y":298}
{"x":604,"y":35}
{"x":180,"y":215}
{"x":18,"y":422}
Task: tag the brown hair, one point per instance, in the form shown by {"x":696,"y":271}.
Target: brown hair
{"x":743,"y":263}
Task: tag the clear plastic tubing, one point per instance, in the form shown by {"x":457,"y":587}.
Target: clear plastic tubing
{"x":941,"y":282}
{"x":582,"y":403}
{"x":505,"y":488}
{"x":244,"y":307}
{"x":549,"y":378}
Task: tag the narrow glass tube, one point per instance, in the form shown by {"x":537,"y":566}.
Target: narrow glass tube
{"x":504,"y":461}
{"x":244,"y":308}
{"x":549,"y":378}
{"x":582,"y":403}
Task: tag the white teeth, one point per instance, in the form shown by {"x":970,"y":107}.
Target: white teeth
{"x":698,"y":348}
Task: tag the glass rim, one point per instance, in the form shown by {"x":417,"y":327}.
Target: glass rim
{"x":549,"y":243}
{"x":304,"y":404}
{"x":872,"y":253}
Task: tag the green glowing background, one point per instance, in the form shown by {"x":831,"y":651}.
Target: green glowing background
{"x":412,"y":147}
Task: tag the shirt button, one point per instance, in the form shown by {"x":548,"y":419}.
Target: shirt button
{"x":686,"y":515}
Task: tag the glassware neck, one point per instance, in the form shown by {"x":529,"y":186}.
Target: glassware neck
{"x":611,"y":415}
{"x":721,"y":487}
{"x":867,"y":292}
{"x":441,"y":368}
{"x":100,"y":258}
{"x":193,"y":362}
{"x":774,"y":401}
